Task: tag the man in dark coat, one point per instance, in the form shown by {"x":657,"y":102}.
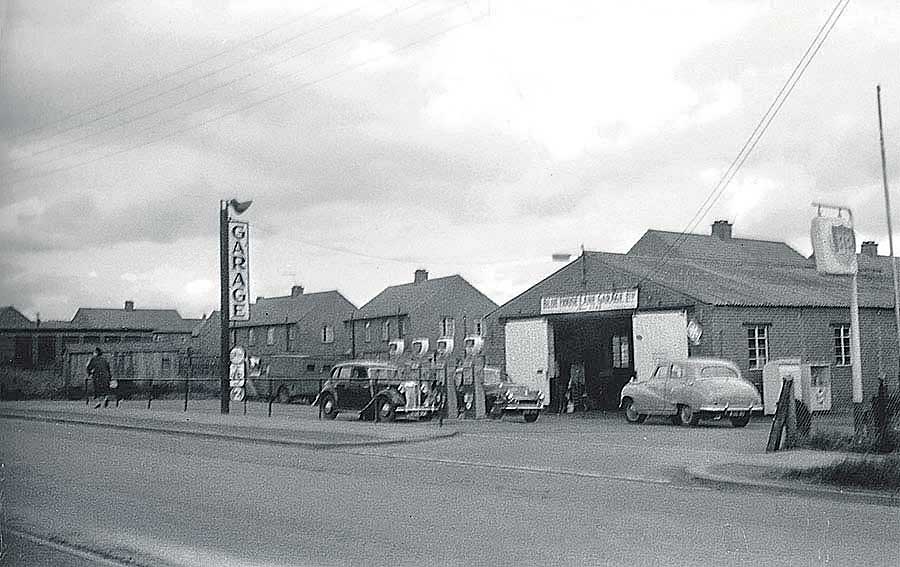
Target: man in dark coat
{"x":98,"y":370}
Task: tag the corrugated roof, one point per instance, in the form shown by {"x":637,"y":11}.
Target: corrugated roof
{"x":412,"y":296}
{"x":704,"y":246}
{"x":137,"y":319}
{"x":291,"y":309}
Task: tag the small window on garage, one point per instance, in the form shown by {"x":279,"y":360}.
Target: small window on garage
{"x":620,"y":357}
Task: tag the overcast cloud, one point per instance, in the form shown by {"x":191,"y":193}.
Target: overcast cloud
{"x":505,"y":131}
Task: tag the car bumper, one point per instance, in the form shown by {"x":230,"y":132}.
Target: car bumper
{"x":718,"y":412}
{"x":416,"y":409}
{"x":523,"y":406}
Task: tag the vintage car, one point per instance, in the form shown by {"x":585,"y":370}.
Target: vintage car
{"x":692,"y":389}
{"x":378,"y":390}
{"x":501,"y":396}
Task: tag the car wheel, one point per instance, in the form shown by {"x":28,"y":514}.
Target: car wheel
{"x":631,"y":414}
{"x":531,"y":415}
{"x":740,"y":421}
{"x":687,"y":416}
{"x":386,"y":410}
{"x":329,"y":408}
{"x":283,"y":396}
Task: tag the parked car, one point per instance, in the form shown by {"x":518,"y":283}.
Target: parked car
{"x":378,"y":389}
{"x":501,"y":396}
{"x":692,"y":389}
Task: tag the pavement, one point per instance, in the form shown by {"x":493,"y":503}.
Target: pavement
{"x":299,"y":425}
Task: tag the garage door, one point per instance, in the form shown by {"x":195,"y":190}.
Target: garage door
{"x":658,"y":335}
{"x":528,"y":353}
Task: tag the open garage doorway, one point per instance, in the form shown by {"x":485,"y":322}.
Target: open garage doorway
{"x":594,"y":357}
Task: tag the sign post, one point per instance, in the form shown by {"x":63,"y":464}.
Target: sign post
{"x":234,"y":282}
{"x":834,"y":245}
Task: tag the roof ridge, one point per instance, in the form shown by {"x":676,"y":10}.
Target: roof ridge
{"x":656,"y":230}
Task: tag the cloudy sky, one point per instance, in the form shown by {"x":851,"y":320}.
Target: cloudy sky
{"x":377,"y":137}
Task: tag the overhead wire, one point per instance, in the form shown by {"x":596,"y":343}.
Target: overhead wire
{"x":244,"y":107}
{"x":755,"y":136}
{"x":166,"y":76}
{"x":179,"y":86}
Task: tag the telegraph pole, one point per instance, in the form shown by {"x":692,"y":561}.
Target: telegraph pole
{"x":224,"y":311}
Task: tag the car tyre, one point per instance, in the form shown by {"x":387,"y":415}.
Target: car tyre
{"x":386,"y":410}
{"x":531,"y":415}
{"x":687,"y":416}
{"x":329,"y":407}
{"x":740,"y":421}
{"x":631,"y":414}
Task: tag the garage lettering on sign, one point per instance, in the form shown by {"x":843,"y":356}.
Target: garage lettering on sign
{"x":238,"y":271}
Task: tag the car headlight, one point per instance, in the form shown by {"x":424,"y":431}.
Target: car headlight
{"x":401,"y":388}
{"x":509,"y":395}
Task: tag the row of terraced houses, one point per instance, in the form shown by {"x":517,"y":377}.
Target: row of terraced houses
{"x":603,"y":318}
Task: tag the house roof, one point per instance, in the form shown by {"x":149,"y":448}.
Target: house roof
{"x":724,"y":282}
{"x":410,"y":297}
{"x":12,"y":318}
{"x":293,"y":308}
{"x":163,"y":320}
{"x":658,"y":243}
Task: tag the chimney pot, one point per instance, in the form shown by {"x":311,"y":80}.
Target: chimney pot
{"x":296,"y":290}
{"x":420,"y":276}
{"x":870,"y":248}
{"x":722,"y":229}
{"x":129,"y":306}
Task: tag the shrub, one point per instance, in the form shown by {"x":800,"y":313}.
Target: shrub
{"x":19,"y":384}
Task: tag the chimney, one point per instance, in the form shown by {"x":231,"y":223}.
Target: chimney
{"x":722,"y":229}
{"x":129,"y":306}
{"x":296,"y":290}
{"x":870,"y":249}
{"x":421,"y":276}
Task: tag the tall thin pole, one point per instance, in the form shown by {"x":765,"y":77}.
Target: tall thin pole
{"x":224,"y":315}
{"x":887,"y":212}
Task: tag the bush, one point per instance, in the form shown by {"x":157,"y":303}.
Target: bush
{"x":19,"y":384}
{"x":873,"y":472}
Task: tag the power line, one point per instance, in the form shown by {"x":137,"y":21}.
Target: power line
{"x":177,"y":87}
{"x":248,"y":106}
{"x":757,"y":134}
{"x":219,"y":87}
{"x":168,"y":75}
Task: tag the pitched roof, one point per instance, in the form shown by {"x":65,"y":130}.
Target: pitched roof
{"x":715,"y":282}
{"x":411,"y":297}
{"x":12,"y":318}
{"x":136,"y":319}
{"x":294,"y":308}
{"x":706,"y":246}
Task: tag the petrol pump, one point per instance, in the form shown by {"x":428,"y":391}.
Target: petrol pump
{"x":474,"y":396}
{"x":443,"y":350}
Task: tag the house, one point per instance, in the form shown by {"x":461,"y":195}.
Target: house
{"x":446,"y":307}
{"x":15,"y":343}
{"x":606,"y":317}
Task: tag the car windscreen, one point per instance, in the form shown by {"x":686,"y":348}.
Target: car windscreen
{"x":719,"y":372}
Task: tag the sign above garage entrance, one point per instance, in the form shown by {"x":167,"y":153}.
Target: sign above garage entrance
{"x":584,"y":302}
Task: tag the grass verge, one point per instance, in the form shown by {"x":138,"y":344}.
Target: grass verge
{"x":880,"y":473}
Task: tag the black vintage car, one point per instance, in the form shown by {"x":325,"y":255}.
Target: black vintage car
{"x":501,"y":396}
{"x":378,"y":390}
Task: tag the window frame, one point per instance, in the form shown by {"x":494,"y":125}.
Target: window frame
{"x":327,"y":334}
{"x":270,"y":335}
{"x":448,"y":327}
{"x":621,"y":352}
{"x":841,"y":351}
{"x":757,"y":342}
{"x":386,"y":330}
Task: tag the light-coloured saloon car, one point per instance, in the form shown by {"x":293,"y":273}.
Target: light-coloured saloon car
{"x":692,"y":389}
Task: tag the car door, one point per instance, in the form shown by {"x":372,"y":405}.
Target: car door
{"x":655,"y":389}
{"x":359,"y":388}
{"x":677,"y":387}
{"x":342,"y":386}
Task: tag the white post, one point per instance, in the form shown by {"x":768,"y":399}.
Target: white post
{"x":855,"y":355}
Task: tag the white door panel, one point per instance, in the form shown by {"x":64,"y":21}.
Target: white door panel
{"x":528,"y":343}
{"x":658,"y":336}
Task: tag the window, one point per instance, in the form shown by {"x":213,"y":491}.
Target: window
{"x":291,"y":337}
{"x":620,"y":357}
{"x":399,"y":328}
{"x":385,"y":330}
{"x":251,"y":337}
{"x":270,"y":336}
{"x":327,"y":334}
{"x":758,"y":346}
{"x":448,"y":327}
{"x":368,"y":331}
{"x":310,"y":367}
{"x":166,"y":364}
{"x":842,"y":345}
{"x":479,"y":327}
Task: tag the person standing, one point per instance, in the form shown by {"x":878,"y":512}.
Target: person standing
{"x":98,"y":370}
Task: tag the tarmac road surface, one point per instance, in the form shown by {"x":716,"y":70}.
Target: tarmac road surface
{"x":192,"y":501}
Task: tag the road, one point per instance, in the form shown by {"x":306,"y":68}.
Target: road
{"x":557,"y":493}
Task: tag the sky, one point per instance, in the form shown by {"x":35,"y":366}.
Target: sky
{"x":378,"y":137}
